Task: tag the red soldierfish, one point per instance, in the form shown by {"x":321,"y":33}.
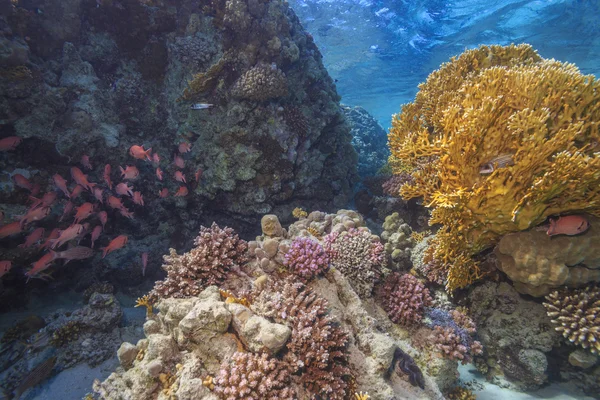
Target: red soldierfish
{"x":106,"y":176}
{"x":67,"y":211}
{"x":74,"y":253}
{"x":81,"y":179}
{"x":115,"y":202}
{"x":198,"y":175}
{"x":50,"y":239}
{"x":99,"y":194}
{"x":85,"y":161}
{"x":159,"y":174}
{"x":40,"y":265}
{"x":103,"y":217}
{"x":184,"y":147}
{"x":96,"y":234}
{"x":139,"y":152}
{"x":180,"y":177}
{"x":126,"y":213}
{"x":144,"y":263}
{"x":130,"y":172}
{"x":35,"y":215}
{"x":10,"y":229}
{"x":155,"y":159}
{"x":138,"y":198}
{"x":68,"y":234}
{"x":33,"y":238}
{"x":61,"y":184}
{"x":76,"y":191}
{"x":183,"y":191}
{"x":83,"y":212}
{"x":178,"y":161}
{"x":22,"y":182}
{"x":10,"y":143}
{"x":568,"y":225}
{"x":123,"y":189}
{"x":114,"y":244}
{"x":5,"y":266}
{"x":163,"y":193}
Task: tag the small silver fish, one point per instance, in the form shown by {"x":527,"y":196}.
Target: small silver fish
{"x":201,"y":106}
{"x":503,"y":160}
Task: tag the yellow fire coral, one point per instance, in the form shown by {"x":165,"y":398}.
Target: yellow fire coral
{"x":497,"y":140}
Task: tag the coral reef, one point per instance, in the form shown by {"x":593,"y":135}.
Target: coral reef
{"x":516,"y":358}
{"x":391,"y":186}
{"x":252,"y":376}
{"x":317,"y":346}
{"x":404,"y":298}
{"x":306,"y":258}
{"x":577,"y":314}
{"x":216,"y":251}
{"x":358,"y":255}
{"x":260,"y":83}
{"x":90,"y":334}
{"x":537,"y":263}
{"x":398,"y":241}
{"x":531,"y":119}
{"x":368,"y":138}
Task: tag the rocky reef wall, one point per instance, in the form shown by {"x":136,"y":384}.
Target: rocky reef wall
{"x":87,"y":77}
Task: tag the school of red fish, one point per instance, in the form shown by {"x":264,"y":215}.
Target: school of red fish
{"x":89,"y":218}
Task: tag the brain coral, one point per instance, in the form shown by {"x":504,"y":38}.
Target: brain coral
{"x":577,"y":314}
{"x":537,"y":263}
{"x":260,"y":83}
{"x":497,"y":140}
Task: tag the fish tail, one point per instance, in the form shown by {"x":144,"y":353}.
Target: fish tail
{"x":147,"y":153}
{"x":104,"y":251}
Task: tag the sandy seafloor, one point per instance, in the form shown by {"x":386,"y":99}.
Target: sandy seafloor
{"x":74,"y":383}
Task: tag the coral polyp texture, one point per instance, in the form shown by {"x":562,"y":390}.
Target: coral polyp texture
{"x":358,"y":255}
{"x":253,"y":377}
{"x":216,"y":251}
{"x":452,"y":335}
{"x":404,"y":298}
{"x":577,"y":314}
{"x":306,"y":258}
{"x":496,"y":141}
{"x":260,"y":83}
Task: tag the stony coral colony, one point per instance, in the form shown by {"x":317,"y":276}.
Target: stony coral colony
{"x":497,"y":141}
{"x":314,"y":357}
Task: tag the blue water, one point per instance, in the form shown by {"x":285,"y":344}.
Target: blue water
{"x":379,"y":51}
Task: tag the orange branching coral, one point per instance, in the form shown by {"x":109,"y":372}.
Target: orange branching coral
{"x":497,"y":140}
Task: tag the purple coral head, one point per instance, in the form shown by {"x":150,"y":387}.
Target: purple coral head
{"x":405,"y":299}
{"x":306,"y":258}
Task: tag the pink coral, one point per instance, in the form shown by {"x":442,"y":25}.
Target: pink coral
{"x":216,"y":252}
{"x":306,"y":258}
{"x":253,"y":377}
{"x":450,"y":345}
{"x":317,"y":347}
{"x":358,"y":255}
{"x":404,"y":298}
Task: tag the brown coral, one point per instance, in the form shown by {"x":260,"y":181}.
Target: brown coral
{"x":216,"y":252}
{"x":261,"y":83}
{"x":577,"y":314}
{"x":251,"y":376}
{"x":317,"y":346}
{"x":404,"y":298}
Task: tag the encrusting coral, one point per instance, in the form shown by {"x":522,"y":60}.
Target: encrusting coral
{"x":253,"y":376}
{"x":482,"y":108}
{"x":216,"y":252}
{"x":577,"y":314}
{"x":261,"y":83}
